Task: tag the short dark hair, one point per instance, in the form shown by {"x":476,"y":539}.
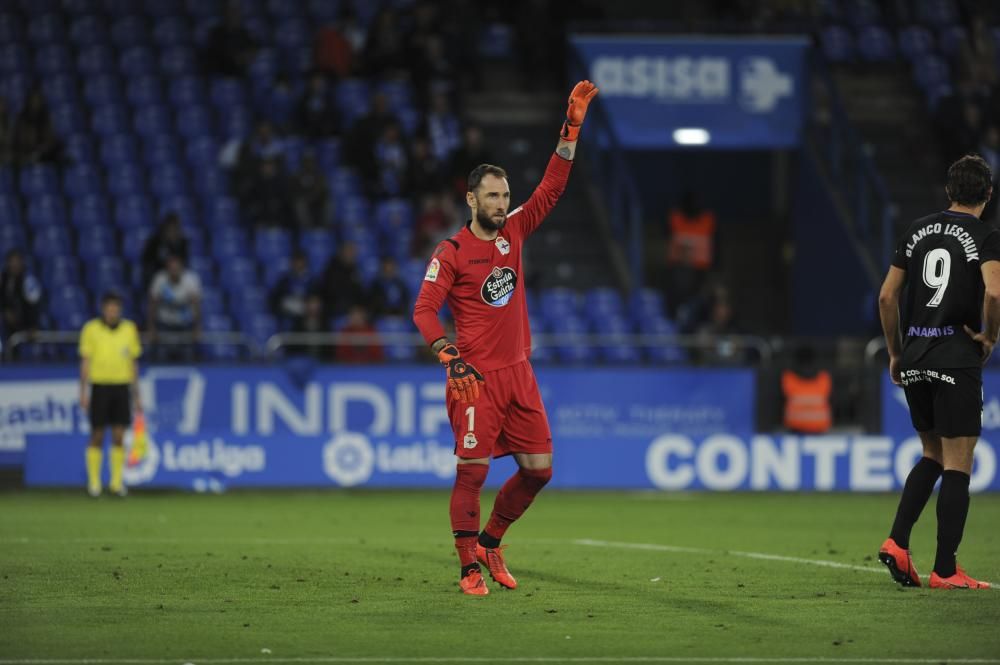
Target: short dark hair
{"x":111,"y":296}
{"x":969,"y":181}
{"x":482,"y":170}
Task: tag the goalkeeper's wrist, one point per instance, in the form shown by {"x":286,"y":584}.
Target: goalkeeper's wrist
{"x":569,"y":132}
{"x":439,"y":344}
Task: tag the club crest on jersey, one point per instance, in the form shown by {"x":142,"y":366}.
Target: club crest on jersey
{"x":433,"y":268}
{"x":499,"y":286}
{"x":503,"y":245}
{"x":470,"y":441}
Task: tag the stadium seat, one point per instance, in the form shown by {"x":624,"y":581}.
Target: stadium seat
{"x":46,"y":29}
{"x":68,"y":118}
{"x":138,"y":61}
{"x":59,"y":271}
{"x":79,"y":148}
{"x":931,"y":71}
{"x":142,"y":91}
{"x":915,"y":41}
{"x":60,"y":88}
{"x":126,"y":180}
{"x":646,"y":303}
{"x":172,"y":31}
{"x":134,"y":242}
{"x":129,"y":31}
{"x":160,"y":150}
{"x":152,"y":120}
{"x":319,"y":245}
{"x":194,"y":121}
{"x":937,"y":12}
{"x":96,"y":60}
{"x":53,"y":59}
{"x":202,"y":152}
{"x":133,"y":212}
{"x":951,"y":39}
{"x":271,"y":244}
{"x":603,"y":302}
{"x":11,"y":28}
{"x":89,"y":211}
{"x":837,"y":44}
{"x":396,"y":351}
{"x":212,"y":301}
{"x":79,"y":181}
{"x":96,"y":242}
{"x":187,"y":91}
{"x":109,"y":120}
{"x":225,"y":212}
{"x":51,"y":241}
{"x":88,"y":30}
{"x":559,"y":302}
{"x":875,"y":44}
{"x":39,"y":180}
{"x":178,"y":61}
{"x":169,"y":182}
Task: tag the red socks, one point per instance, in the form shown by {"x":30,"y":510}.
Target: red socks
{"x":514,"y":498}
{"x":469,"y":480}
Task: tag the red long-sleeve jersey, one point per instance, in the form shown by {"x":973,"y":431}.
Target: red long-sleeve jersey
{"x":483,"y":283}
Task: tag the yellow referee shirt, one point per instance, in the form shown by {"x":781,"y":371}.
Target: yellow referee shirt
{"x":112,"y":351}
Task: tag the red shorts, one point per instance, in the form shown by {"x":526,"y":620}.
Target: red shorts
{"x":508,"y":417}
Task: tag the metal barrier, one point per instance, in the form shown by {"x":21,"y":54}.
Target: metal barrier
{"x":72,"y":338}
{"x":733,"y":344}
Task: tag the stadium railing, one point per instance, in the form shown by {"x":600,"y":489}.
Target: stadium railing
{"x":70,"y":338}
{"x":852,"y":170}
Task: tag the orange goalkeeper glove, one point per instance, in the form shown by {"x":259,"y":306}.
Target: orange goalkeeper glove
{"x":583,"y":93}
{"x":463,"y":378}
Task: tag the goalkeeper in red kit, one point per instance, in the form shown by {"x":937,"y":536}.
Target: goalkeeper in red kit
{"x":492,"y":397}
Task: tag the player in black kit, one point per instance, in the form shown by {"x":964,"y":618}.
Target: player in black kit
{"x":945,"y":277}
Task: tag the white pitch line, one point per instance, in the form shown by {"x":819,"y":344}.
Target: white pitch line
{"x":746,"y":555}
{"x":319,"y":660}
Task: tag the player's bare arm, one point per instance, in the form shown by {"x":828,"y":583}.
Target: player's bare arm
{"x":888,"y":309}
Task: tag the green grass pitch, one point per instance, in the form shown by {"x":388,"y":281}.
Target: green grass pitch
{"x":372,"y":575}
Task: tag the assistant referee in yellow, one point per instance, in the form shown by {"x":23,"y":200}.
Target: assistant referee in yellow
{"x":109,"y":387}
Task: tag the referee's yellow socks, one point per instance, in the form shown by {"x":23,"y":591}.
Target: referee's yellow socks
{"x":117,"y":463}
{"x":94,"y":458}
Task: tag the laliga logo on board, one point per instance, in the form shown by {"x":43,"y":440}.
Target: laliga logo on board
{"x":349,"y":459}
{"x":145,"y":470}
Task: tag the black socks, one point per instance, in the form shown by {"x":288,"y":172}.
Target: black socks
{"x":952,"y":510}
{"x":917,"y":490}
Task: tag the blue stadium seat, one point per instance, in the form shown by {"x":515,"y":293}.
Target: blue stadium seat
{"x":226,"y":247}
{"x":161,"y":150}
{"x":204,"y":267}
{"x":96,"y":242}
{"x":79,"y":148}
{"x":106,"y":273}
{"x":227,"y":92}
{"x":89,"y":211}
{"x":126,"y":180}
{"x":39,"y":180}
{"x":271,"y":244}
{"x":264,"y":68}
{"x":319,"y":245}
{"x":134,"y":242}
{"x":837,"y":44}
{"x":187,"y":91}
{"x":119,"y":149}
{"x":328,"y":155}
{"x":225,"y":212}
{"x":81,"y":7}
{"x":68,"y":298}
{"x":394,"y":216}
{"x":100,"y":90}
{"x":11,"y":29}
{"x":951,"y":40}
{"x":67,"y":118}
{"x":130,"y":31}
{"x":152,"y":120}
{"x":88,"y":31}
{"x":138,"y":61}
{"x":602,"y":303}
{"x":51,"y":241}
{"x":875,"y":44}
{"x":212,"y":301}
{"x":212,"y":183}
{"x":559,"y":302}
{"x":53,"y":59}
{"x":95,"y":60}
{"x":353,"y":210}
{"x":14,"y":58}
{"x":185,"y":208}
{"x":203,"y":152}
{"x":259,"y":326}
{"x":931,"y":71}
{"x":82,"y":180}
{"x":353,"y":99}
{"x":235,"y":122}
{"x":109,"y":120}
{"x":646,"y":304}
{"x":46,"y":29}
{"x":322,"y":11}
{"x":178,"y":61}
{"x":662,"y":352}
{"x":169,"y":182}
{"x":60,"y":271}
{"x":194,"y":121}
{"x":172,"y":31}
{"x":915,"y":41}
{"x":60,"y":88}
{"x":937,"y":12}
{"x":132,"y":212}
{"x":12,"y":235}
{"x":396,"y":351}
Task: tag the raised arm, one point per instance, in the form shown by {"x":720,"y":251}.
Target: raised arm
{"x":533,"y":211}
{"x":888,"y":309}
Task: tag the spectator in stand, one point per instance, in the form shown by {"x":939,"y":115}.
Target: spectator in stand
{"x":389,"y":294}
{"x":426,"y":173}
{"x":175,"y":307}
{"x":20,"y":297}
{"x":289,"y":295}
{"x":470,"y":154}
{"x":6,"y":135}
{"x":243,"y":156}
{"x":358,"y":323}
{"x":714,"y":332}
{"x":391,"y":160}
{"x":342,"y":284}
{"x":229,"y":48}
{"x":990,"y":151}
{"x":266,"y":200}
{"x":443,"y":128}
{"x":690,"y":248}
{"x":317,"y":115}
{"x":978,"y":58}
{"x":34,"y":139}
{"x":313,"y":320}
{"x":437,"y":217}
{"x":168,"y":240}
{"x":337,"y":45}
{"x":311,"y":195}
{"x":359,"y":147}
{"x":384,"y":48}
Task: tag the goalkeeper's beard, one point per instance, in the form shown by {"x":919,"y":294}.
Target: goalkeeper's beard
{"x":487,"y":222}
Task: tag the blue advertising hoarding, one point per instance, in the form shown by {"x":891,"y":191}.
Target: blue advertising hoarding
{"x":745,"y":92}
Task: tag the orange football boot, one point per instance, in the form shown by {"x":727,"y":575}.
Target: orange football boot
{"x":474,"y":584}
{"x":493,"y":560}
{"x":899,"y":562}
{"x":960,"y":580}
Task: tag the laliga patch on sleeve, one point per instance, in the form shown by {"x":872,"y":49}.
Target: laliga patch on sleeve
{"x":433,"y":268}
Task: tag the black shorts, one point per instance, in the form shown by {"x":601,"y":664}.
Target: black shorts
{"x":110,"y":405}
{"x":946,"y":402}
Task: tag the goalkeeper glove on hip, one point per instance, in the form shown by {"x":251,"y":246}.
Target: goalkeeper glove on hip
{"x":463,"y":378}
{"x":583,"y":93}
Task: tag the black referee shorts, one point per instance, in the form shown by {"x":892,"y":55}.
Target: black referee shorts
{"x":110,"y":405}
{"x":946,"y":402}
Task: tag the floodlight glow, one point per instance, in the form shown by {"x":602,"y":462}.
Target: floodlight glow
{"x":691,"y":136}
